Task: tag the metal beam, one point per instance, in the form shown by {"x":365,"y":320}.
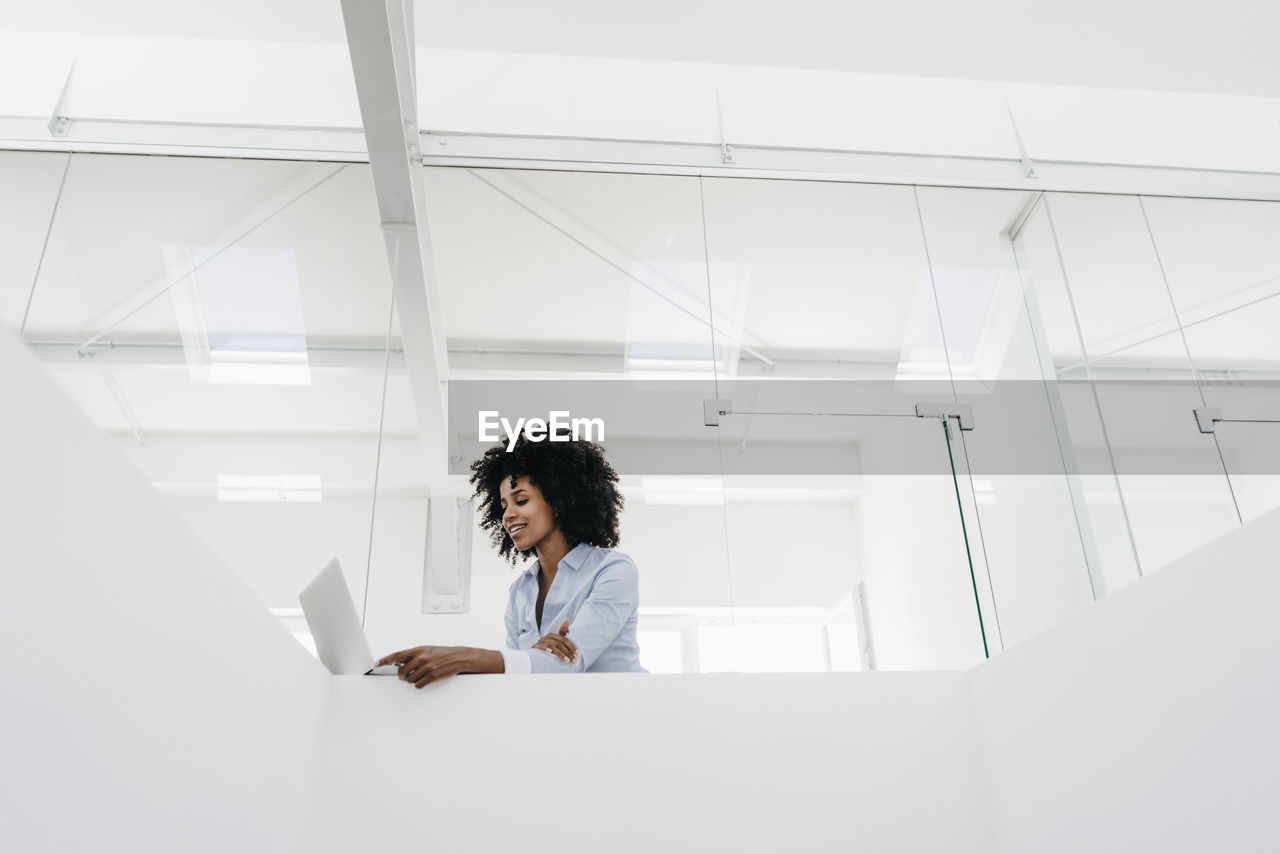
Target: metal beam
{"x":876,"y":167}
{"x":380,"y":41}
{"x":459,"y":148}
{"x":349,"y":358}
{"x":107,"y":136}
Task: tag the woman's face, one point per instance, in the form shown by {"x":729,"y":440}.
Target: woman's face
{"x":526,"y":515}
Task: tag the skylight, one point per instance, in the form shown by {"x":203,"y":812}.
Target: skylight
{"x":239,"y":311}
{"x":964,"y":297}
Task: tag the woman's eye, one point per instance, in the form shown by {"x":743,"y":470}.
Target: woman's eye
{"x":522,"y":503}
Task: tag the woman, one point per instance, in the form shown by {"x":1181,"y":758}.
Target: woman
{"x":558,"y":501}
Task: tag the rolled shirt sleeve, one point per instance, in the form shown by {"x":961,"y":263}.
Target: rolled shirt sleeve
{"x":516,"y":661}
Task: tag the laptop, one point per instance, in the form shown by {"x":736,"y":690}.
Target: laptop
{"x":335,"y":626}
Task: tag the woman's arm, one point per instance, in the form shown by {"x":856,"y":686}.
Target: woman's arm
{"x":422,"y":665}
{"x":425,"y":664}
{"x":607,"y":608}
{"x":558,"y":644}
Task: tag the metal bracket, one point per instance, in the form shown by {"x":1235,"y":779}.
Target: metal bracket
{"x":963,"y":412}
{"x":726,"y":150}
{"x":93,"y":348}
{"x":1028,"y":168}
{"x":713,"y":409}
{"x":60,"y":125}
{"x":1207,"y":417}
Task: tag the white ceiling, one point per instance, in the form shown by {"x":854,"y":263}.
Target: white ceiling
{"x":1177,"y":45}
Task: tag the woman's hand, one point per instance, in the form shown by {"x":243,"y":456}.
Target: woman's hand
{"x":424,"y":664}
{"x":559,"y":645}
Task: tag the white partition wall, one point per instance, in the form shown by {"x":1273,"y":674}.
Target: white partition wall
{"x":1148,"y":721}
{"x":150,"y":702}
{"x":630,"y":763}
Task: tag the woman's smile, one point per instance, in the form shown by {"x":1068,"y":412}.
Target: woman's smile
{"x":526,"y":515}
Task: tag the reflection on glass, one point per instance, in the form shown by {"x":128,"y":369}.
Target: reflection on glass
{"x":1220,"y":257}
{"x":1079,"y":428}
{"x":225,"y":320}
{"x":1222,"y":260}
{"x":31,"y":181}
{"x":1117,"y":290}
{"x":1032,"y":527}
{"x":239,"y":310}
{"x":1129,"y":349}
{"x":570,"y":272}
{"x":1176,"y":493}
{"x":829,"y":280}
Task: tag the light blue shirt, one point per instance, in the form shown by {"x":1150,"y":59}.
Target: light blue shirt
{"x":598,"y":591}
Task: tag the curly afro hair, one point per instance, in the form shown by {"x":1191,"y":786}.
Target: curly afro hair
{"x":574,"y":478}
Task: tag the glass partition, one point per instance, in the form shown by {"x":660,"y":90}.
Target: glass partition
{"x":587,"y":293}
{"x":1251,"y":455}
{"x":31,"y":181}
{"x":822,"y":280}
{"x":838,"y":497}
{"x":225,"y":321}
{"x":1152,"y":478}
{"x":775,"y":361}
{"x":857,"y":552}
{"x":1222,"y":262}
{"x":1021,"y":486}
{"x":1081,"y":431}
{"x":397,"y":546}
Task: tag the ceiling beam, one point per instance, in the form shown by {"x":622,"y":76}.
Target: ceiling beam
{"x":367,"y":357}
{"x":514,"y":151}
{"x":378,"y":36}
{"x":380,"y":39}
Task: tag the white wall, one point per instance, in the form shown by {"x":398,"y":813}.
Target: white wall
{"x":1146,"y":722}
{"x":150,"y":702}
{"x":878,"y":762}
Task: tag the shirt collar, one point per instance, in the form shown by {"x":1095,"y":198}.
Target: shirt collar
{"x":573,"y":560}
{"x":575,"y":557}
